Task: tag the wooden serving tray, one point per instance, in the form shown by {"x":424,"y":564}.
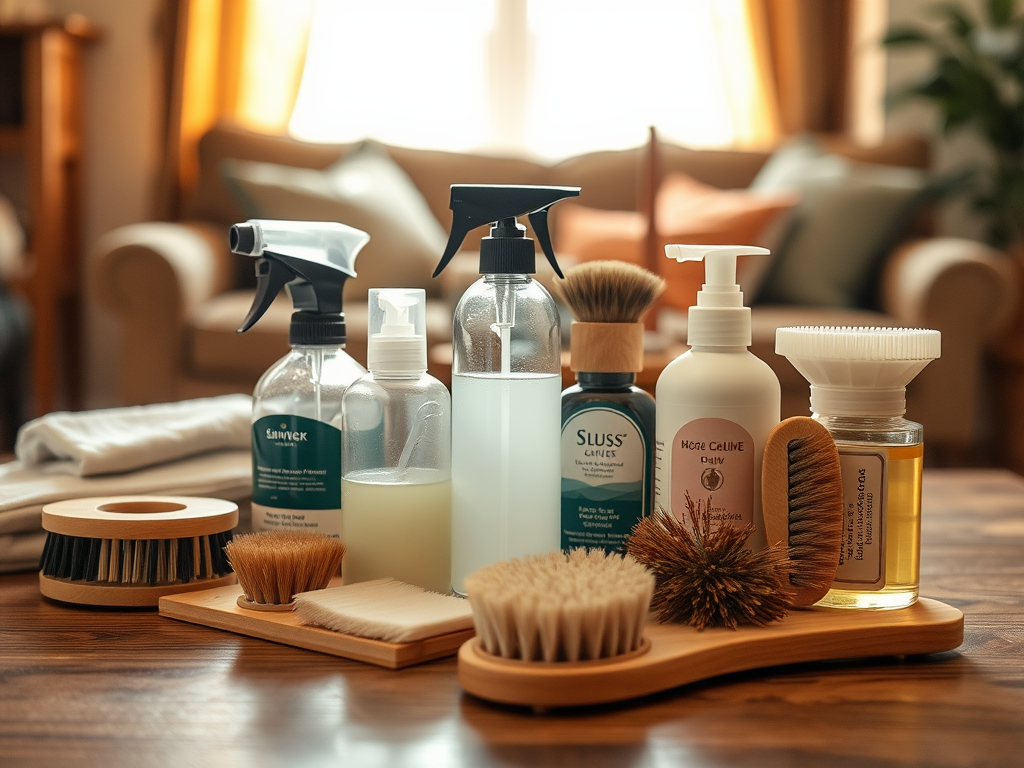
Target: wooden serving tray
{"x":675,"y":655}
{"x":218,"y":608}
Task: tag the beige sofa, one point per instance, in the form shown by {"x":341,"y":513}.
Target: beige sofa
{"x":171,"y":286}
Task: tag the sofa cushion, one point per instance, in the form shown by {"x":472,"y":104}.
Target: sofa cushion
{"x":216,"y":350}
{"x":366,"y":190}
{"x":850,"y":216}
{"x":687,"y":211}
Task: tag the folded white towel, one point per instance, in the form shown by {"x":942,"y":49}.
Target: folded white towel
{"x":124,"y":439}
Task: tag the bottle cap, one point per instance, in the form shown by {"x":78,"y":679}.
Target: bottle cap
{"x":718,"y":319}
{"x":858,"y":371}
{"x":397,"y":340}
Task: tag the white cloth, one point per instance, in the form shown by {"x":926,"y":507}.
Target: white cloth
{"x":124,"y":439}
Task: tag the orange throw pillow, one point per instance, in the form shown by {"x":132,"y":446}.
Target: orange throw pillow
{"x":687,"y":211}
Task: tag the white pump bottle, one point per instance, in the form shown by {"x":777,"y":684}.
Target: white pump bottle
{"x":716,"y":403}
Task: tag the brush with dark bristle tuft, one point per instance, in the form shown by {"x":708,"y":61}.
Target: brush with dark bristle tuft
{"x":706,"y":576}
{"x":274,"y":566}
{"x":582,"y":606}
{"x":802,"y":499}
{"x":609,"y":291}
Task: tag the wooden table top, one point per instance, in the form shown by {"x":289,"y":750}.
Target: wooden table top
{"x":96,"y":687}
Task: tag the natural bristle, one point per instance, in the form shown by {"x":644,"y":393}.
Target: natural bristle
{"x":556,"y":607}
{"x":802,"y":492}
{"x":706,"y":576}
{"x":273,"y":566}
{"x":609,"y":291}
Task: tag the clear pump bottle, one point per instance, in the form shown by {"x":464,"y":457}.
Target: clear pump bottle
{"x":296,"y":411}
{"x":396,"y":453}
{"x":858,"y":382}
{"x":506,"y":384}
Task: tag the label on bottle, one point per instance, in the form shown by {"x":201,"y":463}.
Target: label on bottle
{"x":862,"y":552}
{"x":713,"y":459}
{"x":296,"y":475}
{"x":604,"y":474}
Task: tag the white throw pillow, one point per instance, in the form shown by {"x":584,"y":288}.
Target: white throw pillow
{"x":366,"y":190}
{"x":849,"y":216}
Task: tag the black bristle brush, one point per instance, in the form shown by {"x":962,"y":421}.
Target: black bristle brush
{"x":130,"y":550}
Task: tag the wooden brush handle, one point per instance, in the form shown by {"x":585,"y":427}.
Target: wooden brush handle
{"x":607,"y":347}
{"x":140,"y":517}
{"x":681,"y":654}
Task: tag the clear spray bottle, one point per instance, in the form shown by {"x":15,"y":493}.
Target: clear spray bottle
{"x":396,"y":453}
{"x":506,"y":383}
{"x":296,"y":408}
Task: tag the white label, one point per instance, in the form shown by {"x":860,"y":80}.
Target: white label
{"x":315,"y":520}
{"x":862,"y":552}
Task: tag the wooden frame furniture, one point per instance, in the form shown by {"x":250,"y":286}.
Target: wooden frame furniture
{"x":48,"y":135}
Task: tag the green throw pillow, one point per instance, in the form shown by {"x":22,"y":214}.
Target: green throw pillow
{"x":850,"y":215}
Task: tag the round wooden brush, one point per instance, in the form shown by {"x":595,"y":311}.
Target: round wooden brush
{"x":274,"y":566}
{"x":802,"y":499}
{"x":556,"y":607}
{"x":608,"y":299}
{"x":130,"y":550}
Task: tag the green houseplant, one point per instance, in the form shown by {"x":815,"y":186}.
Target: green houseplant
{"x":978,"y":84}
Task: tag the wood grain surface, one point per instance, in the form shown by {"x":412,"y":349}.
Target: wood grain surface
{"x":103,"y":687}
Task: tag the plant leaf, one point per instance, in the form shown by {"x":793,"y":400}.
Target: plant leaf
{"x":959,"y":24}
{"x":1000,"y":12}
{"x":898,"y":36}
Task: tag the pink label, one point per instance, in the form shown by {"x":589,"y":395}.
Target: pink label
{"x":714,"y":458}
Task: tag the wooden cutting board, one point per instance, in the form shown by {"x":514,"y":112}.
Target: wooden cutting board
{"x":675,"y":655}
{"x":218,"y":608}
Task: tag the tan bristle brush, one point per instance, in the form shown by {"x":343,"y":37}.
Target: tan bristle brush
{"x":802,"y":499}
{"x":582,"y":606}
{"x":274,"y":566}
{"x":608,"y":298}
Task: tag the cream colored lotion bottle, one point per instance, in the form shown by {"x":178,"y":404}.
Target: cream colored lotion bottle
{"x":858,"y":382}
{"x":716,"y":403}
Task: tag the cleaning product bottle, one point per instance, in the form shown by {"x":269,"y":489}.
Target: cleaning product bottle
{"x":716,"y":403}
{"x":858,"y":382}
{"x":608,"y":424}
{"x":396,"y":453}
{"x":506,"y":383}
{"x":296,"y":408}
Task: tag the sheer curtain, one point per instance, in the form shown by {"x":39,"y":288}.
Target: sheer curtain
{"x":536,"y":77}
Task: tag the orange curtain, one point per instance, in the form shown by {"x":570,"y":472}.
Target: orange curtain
{"x":806,"y":45}
{"x":234,"y":60}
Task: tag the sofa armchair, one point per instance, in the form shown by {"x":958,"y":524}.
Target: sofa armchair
{"x":174,"y":287}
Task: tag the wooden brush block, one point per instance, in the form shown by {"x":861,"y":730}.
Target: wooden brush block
{"x":678,"y":655}
{"x":218,"y":608}
{"x":607,"y":347}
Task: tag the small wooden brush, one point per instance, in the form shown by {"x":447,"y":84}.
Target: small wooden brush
{"x":131,"y":550}
{"x":802,"y":500}
{"x":274,"y":566}
{"x":582,"y":606}
{"x":608,"y":298}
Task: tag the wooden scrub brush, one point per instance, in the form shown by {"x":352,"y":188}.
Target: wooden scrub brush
{"x":274,"y":566}
{"x":582,"y":606}
{"x":802,"y":500}
{"x":130,"y":550}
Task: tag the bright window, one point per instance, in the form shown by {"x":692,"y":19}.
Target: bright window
{"x":540,"y":77}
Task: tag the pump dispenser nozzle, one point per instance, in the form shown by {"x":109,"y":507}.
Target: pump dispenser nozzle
{"x":314,"y":259}
{"x":397,"y":342}
{"x":508,"y":250}
{"x":719,"y":318}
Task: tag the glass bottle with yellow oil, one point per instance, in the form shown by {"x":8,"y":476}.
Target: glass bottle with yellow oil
{"x":858,"y":382}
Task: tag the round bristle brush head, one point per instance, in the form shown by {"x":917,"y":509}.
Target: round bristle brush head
{"x":274,"y":566}
{"x":609,"y":291}
{"x":706,"y":575}
{"x":802,"y":498}
{"x":557,"y":607}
